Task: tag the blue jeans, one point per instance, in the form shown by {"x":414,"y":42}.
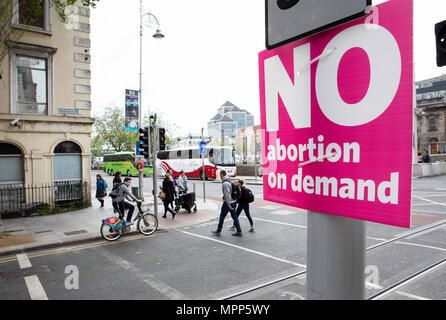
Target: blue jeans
{"x":244,"y":206}
{"x":223,"y":213}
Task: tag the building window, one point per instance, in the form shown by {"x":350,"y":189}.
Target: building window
{"x":32,"y":85}
{"x":11,"y":164}
{"x":31,"y":80}
{"x":34,"y":16}
{"x":67,"y":162}
{"x":432,"y":125}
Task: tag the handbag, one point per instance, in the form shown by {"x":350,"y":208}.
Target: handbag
{"x":162,"y":195}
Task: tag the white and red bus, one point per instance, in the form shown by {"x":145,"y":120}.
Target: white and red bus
{"x":188,"y":159}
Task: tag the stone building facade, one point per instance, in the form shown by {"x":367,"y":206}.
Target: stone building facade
{"x":45,"y":107}
{"x":431,"y":116}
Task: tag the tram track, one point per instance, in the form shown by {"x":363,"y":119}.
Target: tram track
{"x":385,"y":291}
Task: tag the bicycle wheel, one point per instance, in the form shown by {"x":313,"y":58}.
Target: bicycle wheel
{"x":109,"y":233}
{"x":147,"y":224}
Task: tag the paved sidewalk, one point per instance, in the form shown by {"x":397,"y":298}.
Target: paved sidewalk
{"x":42,"y":232}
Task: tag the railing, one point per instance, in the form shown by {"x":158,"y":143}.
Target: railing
{"x":18,"y":199}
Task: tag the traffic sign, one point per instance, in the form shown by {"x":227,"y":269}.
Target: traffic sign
{"x":203,"y":148}
{"x":289,"y":20}
{"x":339,"y":138}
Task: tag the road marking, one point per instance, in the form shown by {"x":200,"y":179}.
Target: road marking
{"x":409,"y":295}
{"x":148,"y":278}
{"x":35,"y":288}
{"x":277,"y":222}
{"x":440,"y":189}
{"x":244,"y":249}
{"x":23,"y":260}
{"x":427,"y":200}
{"x":283,"y":212}
{"x":420,"y":245}
{"x":428,"y":212}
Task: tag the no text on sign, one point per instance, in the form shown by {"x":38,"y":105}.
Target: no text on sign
{"x":289,"y":20}
{"x":336,"y":116}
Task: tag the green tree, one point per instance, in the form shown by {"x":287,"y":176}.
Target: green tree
{"x":109,"y":133}
{"x":30,"y":10}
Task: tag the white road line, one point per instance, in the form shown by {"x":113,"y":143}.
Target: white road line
{"x":409,"y":295}
{"x":151,"y":280}
{"x":23,"y":260}
{"x":420,"y":245}
{"x":244,"y":249}
{"x":440,"y":189}
{"x":428,"y":212}
{"x":35,"y":288}
{"x":277,"y":222}
{"x":427,"y":200}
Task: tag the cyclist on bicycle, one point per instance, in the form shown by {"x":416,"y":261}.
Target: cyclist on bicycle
{"x":124,"y":193}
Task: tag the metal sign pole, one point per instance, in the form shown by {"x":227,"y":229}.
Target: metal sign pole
{"x":335,"y":257}
{"x":204,"y":172}
{"x":141,"y":173}
{"x":155,"y":184}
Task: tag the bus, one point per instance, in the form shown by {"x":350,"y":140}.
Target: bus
{"x":188,"y":159}
{"x":125,"y":163}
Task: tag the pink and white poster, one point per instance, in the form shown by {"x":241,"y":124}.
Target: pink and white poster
{"x":336,"y":117}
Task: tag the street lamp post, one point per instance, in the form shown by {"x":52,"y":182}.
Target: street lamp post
{"x":157,"y":35}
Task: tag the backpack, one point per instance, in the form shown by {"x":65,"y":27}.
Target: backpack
{"x":249,"y":196}
{"x":236,"y":192}
{"x":114,"y":191}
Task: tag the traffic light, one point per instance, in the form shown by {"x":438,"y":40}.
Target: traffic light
{"x":440,"y":40}
{"x":162,"y":138}
{"x":144,"y":145}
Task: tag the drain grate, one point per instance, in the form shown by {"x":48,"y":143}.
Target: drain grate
{"x":21,"y":273}
{"x":72,"y":233}
{"x":43,"y":231}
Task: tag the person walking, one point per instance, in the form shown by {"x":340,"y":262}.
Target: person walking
{"x":169,"y":192}
{"x":117,"y":178}
{"x":426,"y":157}
{"x":243,"y":204}
{"x":116,"y":184}
{"x":101,"y":187}
{"x":182,"y":183}
{"x":229,"y":205}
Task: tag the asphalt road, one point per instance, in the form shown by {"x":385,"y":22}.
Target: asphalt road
{"x":190,"y":263}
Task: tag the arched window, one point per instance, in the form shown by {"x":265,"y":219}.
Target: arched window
{"x":67,"y":147}
{"x":67,"y":162}
{"x":11,"y":164}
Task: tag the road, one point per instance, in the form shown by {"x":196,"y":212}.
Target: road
{"x":269,"y":264}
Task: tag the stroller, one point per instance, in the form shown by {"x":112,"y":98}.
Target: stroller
{"x":185,"y":201}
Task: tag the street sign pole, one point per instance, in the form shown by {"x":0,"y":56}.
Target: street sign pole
{"x":204,"y":172}
{"x":335,"y":257}
{"x":155,"y":184}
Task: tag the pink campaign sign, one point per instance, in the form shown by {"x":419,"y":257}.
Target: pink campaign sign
{"x":336,"y":116}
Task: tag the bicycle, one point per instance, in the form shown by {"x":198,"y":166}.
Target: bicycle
{"x":113,"y":227}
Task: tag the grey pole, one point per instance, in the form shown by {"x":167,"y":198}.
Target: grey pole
{"x":155,"y":184}
{"x":255,"y":155}
{"x":141,"y":173}
{"x":204,"y":172}
{"x":335,"y":257}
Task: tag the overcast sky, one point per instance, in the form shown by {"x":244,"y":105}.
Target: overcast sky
{"x":208,"y":55}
